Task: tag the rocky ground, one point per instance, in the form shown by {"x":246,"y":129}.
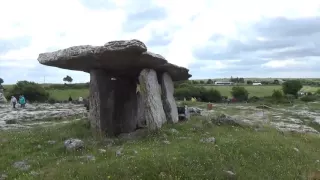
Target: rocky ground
{"x":302,"y":118}
{"x":38,"y":114}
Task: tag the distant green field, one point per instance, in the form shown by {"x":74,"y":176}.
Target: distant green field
{"x":60,"y":95}
{"x":258,"y":91}
{"x":64,"y":94}
{"x":259,"y":79}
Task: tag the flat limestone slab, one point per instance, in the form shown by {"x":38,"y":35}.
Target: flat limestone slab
{"x":118,"y":58}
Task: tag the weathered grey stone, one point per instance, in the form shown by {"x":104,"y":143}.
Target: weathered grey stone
{"x":125,"y":107}
{"x":208,"y":140}
{"x":149,"y":87}
{"x":21,"y":165}
{"x":2,"y":97}
{"x":73,"y":144}
{"x":3,"y":176}
{"x":88,"y":157}
{"x":117,"y":57}
{"x":101,"y":102}
{"x":113,"y":103}
{"x":169,"y":103}
{"x":140,"y":112}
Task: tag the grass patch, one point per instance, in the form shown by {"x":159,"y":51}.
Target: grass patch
{"x":249,"y":154}
{"x":259,"y":91}
{"x":63,"y":95}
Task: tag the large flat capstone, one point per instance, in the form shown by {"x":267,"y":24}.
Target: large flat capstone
{"x":118,"y":58}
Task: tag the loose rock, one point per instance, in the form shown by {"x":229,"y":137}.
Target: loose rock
{"x":230,"y":173}
{"x":21,"y":165}
{"x":51,"y":142}
{"x":88,"y":158}
{"x":119,"y":152}
{"x":3,"y":177}
{"x":174,"y":131}
{"x":166,"y":142}
{"x":34,"y":173}
{"x":73,"y":144}
{"x":208,"y":140}
{"x":102,"y":151}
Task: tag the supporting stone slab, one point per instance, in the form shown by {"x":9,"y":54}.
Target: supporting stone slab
{"x":150,"y":92}
{"x":169,"y":103}
{"x":140,"y":114}
{"x":113,"y":103}
{"x":101,"y":102}
{"x":126,"y":105}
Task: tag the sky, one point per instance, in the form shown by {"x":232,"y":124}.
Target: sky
{"x":213,"y":38}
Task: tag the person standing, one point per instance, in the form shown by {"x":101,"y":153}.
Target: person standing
{"x":80,"y":99}
{"x":70,"y":99}
{"x":22,"y":101}
{"x":13,"y":101}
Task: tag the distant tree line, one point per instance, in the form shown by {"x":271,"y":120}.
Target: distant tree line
{"x":241,"y":80}
{"x":237,"y":80}
{"x":289,"y":92}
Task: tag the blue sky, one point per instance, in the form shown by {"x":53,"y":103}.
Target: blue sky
{"x":213,"y":38}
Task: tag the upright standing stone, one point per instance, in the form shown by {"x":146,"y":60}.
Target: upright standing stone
{"x":149,"y":87}
{"x":126,"y":104}
{"x":101,"y":102}
{"x":169,"y":103}
{"x":2,"y":97}
{"x":140,"y":112}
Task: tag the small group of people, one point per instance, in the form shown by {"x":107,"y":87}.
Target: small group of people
{"x":22,"y":101}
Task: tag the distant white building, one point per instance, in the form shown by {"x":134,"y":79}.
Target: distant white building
{"x":256,"y":84}
{"x":224,"y":83}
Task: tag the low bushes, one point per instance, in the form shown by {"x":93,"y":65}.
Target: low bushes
{"x":308,"y":98}
{"x":240,"y":93}
{"x":200,"y":93}
{"x":188,"y":91}
{"x":32,"y":91}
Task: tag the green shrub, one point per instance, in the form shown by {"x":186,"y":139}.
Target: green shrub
{"x":240,"y":93}
{"x":51,"y":100}
{"x":184,"y":85}
{"x":277,"y":95}
{"x":308,"y":98}
{"x":291,"y":87}
{"x":254,"y":99}
{"x":273,"y":100}
{"x":31,"y":91}
{"x":189,"y":91}
{"x":318,"y":91}
{"x":211,"y":95}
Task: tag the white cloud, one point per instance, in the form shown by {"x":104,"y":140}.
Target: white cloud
{"x":283,"y":63}
{"x":55,"y":24}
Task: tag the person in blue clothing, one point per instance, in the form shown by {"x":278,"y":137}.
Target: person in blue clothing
{"x":22,"y":101}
